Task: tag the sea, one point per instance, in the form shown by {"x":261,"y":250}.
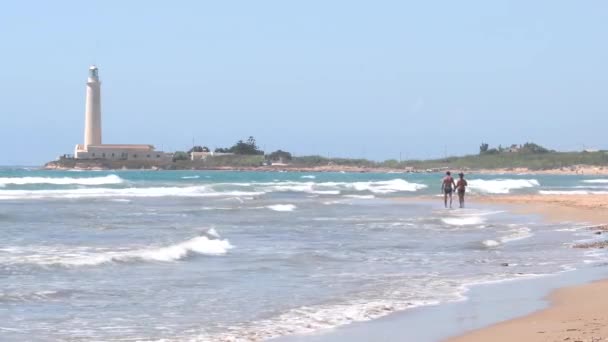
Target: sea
{"x":250,"y":256}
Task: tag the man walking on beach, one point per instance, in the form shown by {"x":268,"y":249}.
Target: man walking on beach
{"x":447,"y":186}
{"x":460,"y":187}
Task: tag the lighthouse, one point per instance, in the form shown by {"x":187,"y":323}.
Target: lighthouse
{"x":144,"y":154}
{"x":92,"y":114}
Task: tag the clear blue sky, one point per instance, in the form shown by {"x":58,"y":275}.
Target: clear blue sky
{"x":341,"y":78}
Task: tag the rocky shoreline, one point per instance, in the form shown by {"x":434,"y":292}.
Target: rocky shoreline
{"x":96,"y":165}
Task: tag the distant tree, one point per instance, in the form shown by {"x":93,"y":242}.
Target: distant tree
{"x":199,"y":149}
{"x":483,"y":148}
{"x":248,"y":147}
{"x":180,"y":155}
{"x":534,"y":148}
{"x":279,"y":155}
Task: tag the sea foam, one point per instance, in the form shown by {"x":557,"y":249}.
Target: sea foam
{"x":205,"y":245}
{"x":192,"y":191}
{"x":463,"y":221}
{"x":105,"y":180}
{"x":282,"y":207}
{"x":501,"y":186}
{"x":596,"y":181}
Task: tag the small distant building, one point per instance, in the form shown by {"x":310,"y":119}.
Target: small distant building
{"x":93,"y":148}
{"x":204,"y":155}
{"x":199,"y":155}
{"x":514,"y":148}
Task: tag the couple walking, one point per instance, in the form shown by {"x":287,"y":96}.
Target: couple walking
{"x":448,"y":186}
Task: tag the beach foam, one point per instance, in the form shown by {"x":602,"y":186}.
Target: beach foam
{"x":596,"y":181}
{"x":193,"y":191}
{"x":282,"y":207}
{"x":463,"y":221}
{"x":517,"y":234}
{"x":105,"y":180}
{"x":501,"y":186}
{"x":490,"y":243}
{"x":572,"y":192}
{"x":82,"y":256}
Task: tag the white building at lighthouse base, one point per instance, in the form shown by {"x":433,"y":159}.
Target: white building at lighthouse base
{"x":121,"y":152}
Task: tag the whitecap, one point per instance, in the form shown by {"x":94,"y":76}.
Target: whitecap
{"x":193,"y":191}
{"x":191,"y":177}
{"x":463,"y":221}
{"x":282,"y":207}
{"x":360,"y":196}
{"x":501,"y":186}
{"x":571,"y":192}
{"x":596,"y":181}
{"x":490,"y":243}
{"x":105,"y":180}
{"x":309,"y":177}
{"x":517,"y":234}
{"x":85,"y":256}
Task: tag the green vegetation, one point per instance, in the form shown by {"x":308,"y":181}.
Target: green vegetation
{"x":248,"y":147}
{"x":225,"y":161}
{"x":198,"y":149}
{"x":180,"y":155}
{"x":247,"y":155}
{"x":279,"y":156}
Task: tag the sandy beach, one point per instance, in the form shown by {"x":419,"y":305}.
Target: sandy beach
{"x":577,"y":313}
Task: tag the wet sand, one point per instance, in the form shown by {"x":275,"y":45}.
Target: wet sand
{"x":577,"y":313}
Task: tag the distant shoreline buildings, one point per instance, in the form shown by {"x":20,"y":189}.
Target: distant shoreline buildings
{"x":93,"y":148}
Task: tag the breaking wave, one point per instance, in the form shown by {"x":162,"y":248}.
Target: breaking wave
{"x":282,"y":207}
{"x":83,"y":256}
{"x":194,"y":191}
{"x":596,"y":181}
{"x":571,"y":192}
{"x":463,"y":221}
{"x":501,"y":186}
{"x":105,"y":180}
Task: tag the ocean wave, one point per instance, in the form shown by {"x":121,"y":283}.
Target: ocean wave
{"x":208,"y":244}
{"x":193,"y":191}
{"x":572,"y":192}
{"x":105,"y":180}
{"x":191,"y":177}
{"x":516,"y":234}
{"x":282,"y":207}
{"x":501,"y":186}
{"x":596,"y":181}
{"x":360,"y":196}
{"x":463,"y":221}
{"x":490,"y":243}
{"x":10,"y":297}
{"x":309,"y":177}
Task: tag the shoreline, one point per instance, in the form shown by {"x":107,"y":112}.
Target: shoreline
{"x":582,"y":170}
{"x":511,"y":310}
{"x":576,"y":313}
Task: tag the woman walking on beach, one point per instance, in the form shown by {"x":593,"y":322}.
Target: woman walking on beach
{"x":460,"y":187}
{"x":446,"y":188}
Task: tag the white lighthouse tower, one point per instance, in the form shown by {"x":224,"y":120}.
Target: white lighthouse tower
{"x":92,"y":119}
{"x":93,"y":148}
